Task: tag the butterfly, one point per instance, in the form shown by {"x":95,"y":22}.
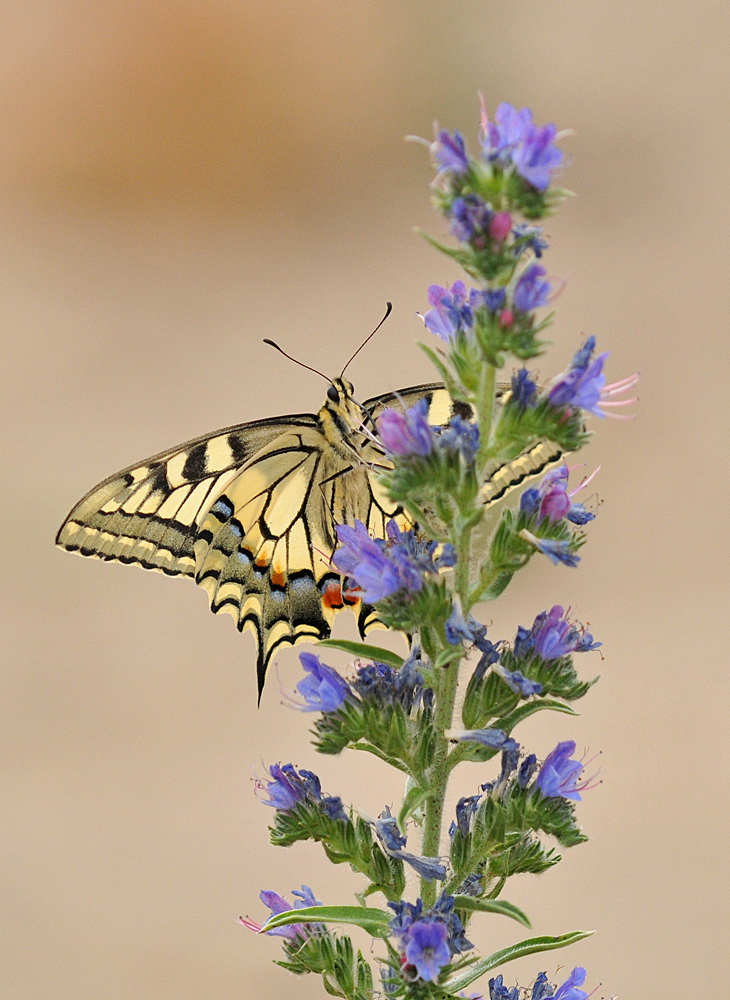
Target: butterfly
{"x":249,"y":512}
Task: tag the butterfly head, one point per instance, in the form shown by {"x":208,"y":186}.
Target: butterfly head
{"x":341,"y":414}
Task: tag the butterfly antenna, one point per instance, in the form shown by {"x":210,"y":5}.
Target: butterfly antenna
{"x":367,"y":339}
{"x":300,"y":363}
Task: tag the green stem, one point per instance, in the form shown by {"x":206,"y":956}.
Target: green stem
{"x":439,"y":774}
{"x":485,"y":406}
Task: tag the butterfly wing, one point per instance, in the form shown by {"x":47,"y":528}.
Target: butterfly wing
{"x":263,"y":550}
{"x":148,"y":514}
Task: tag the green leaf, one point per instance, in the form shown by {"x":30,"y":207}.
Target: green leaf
{"x":415,"y":797}
{"x":508,"y":722}
{"x":365,"y":651}
{"x":528,"y":947}
{"x":492,"y":906}
{"x":372,"y":920}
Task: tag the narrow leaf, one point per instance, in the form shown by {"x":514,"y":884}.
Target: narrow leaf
{"x":508,"y":722}
{"x":365,"y":651}
{"x":492,"y":906}
{"x":372,"y":920}
{"x":528,"y":947}
{"x":414,"y":798}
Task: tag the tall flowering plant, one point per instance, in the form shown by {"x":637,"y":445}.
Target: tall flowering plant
{"x":425,"y":580}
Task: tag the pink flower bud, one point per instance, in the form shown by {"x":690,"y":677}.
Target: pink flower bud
{"x":506,"y":317}
{"x":500,"y":226}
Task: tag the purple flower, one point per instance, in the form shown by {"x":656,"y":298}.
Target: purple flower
{"x":508,"y":130}
{"x":427,"y":949}
{"x":323,"y":690}
{"x":517,"y":682}
{"x":406,"y":433}
{"x":514,"y":138}
{"x":498,"y":991}
{"x":461,"y":437}
{"x":380,"y":683}
{"x":531,"y":291}
{"x":552,"y":635}
{"x":286,"y":788}
{"x":277,"y":904}
{"x":569,"y":989}
{"x":524,"y":389}
{"x":332,"y":807}
{"x":364,"y":561}
{"x":556,"y":551}
{"x":494,"y":299}
{"x":526,"y":771}
{"x":449,"y":152}
{"x":466,"y":809}
{"x":536,"y":158}
{"x":451,"y":311}
{"x":559,"y":775}
{"x":494,"y":739}
{"x":394,"y":841}
{"x":470,"y":216}
{"x":381,"y":567}
{"x":552,"y":501}
{"x":527,"y":237}
{"x":581,"y":385}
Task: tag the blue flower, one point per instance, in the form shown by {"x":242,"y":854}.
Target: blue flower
{"x":514,"y":138}
{"x":569,"y":989}
{"x":552,"y":501}
{"x":452,"y":310}
{"x":286,"y":789}
{"x":470,"y":217}
{"x":528,"y":237}
{"x":381,"y":683}
{"x":494,"y":739}
{"x":406,"y":433}
{"x":465,"y":810}
{"x":381,"y":567}
{"x":277,"y":904}
{"x":449,"y":152}
{"x":498,"y":991}
{"x":583,"y":386}
{"x":532,"y":291}
{"x":524,"y":389}
{"x":526,"y":770}
{"x":461,"y":437}
{"x":408,"y":915}
{"x":552,"y":635}
{"x":427,"y":950}
{"x":556,"y":551}
{"x":456,"y":628}
{"x":536,"y":157}
{"x":518,"y":683}
{"x":494,"y":299}
{"x":365,"y":562}
{"x":559,"y":775}
{"x":541,"y":988}
{"x":394,"y":841}
{"x":323,"y":690}
{"x":503,"y":135}
{"x":332,"y":807}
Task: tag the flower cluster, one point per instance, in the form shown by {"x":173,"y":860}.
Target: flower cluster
{"x":427,"y":938}
{"x":458,"y":471}
{"x":376,"y":568}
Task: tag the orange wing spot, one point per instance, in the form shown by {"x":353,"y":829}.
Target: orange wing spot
{"x":277,"y":578}
{"x":332,"y":595}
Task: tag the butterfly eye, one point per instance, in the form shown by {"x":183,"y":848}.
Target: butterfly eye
{"x":333,"y":394}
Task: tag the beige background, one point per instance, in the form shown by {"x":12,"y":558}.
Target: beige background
{"x":179,"y":180}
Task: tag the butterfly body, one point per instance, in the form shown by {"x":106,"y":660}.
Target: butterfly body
{"x":249,"y":512}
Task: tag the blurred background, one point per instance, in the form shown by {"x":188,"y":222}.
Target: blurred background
{"x":179,"y":180}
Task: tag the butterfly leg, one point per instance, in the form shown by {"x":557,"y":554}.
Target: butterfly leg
{"x":323,"y":483}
